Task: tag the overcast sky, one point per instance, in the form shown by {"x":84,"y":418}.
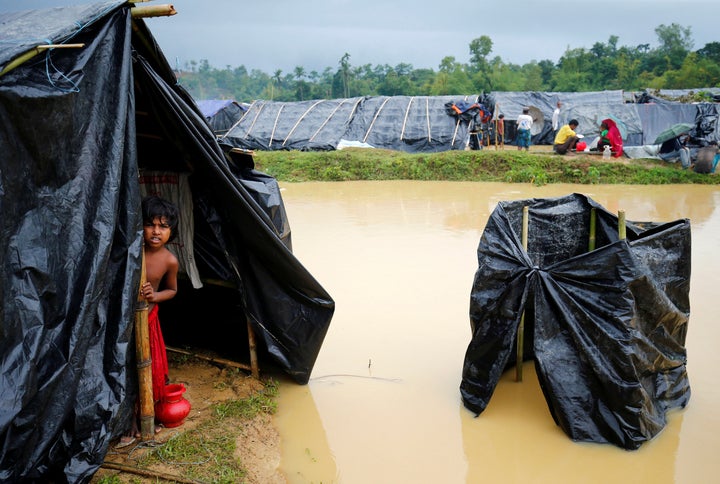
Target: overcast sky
{"x":281,"y":34}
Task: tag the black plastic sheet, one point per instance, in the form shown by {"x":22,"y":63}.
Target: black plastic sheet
{"x":76,"y":127}
{"x":606,"y":327}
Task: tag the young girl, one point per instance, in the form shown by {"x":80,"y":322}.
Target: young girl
{"x":160,"y":223}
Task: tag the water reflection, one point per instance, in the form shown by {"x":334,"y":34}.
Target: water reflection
{"x":383,"y":402}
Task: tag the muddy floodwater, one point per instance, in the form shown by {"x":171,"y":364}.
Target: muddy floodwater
{"x":383,"y":403}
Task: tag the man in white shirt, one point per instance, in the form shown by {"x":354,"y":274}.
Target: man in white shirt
{"x":524,"y":123}
{"x":556,"y":118}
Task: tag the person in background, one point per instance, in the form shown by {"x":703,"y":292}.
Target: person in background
{"x":610,"y":136}
{"x":501,"y":130}
{"x":566,"y":138}
{"x":707,"y":159}
{"x":524,"y":123}
{"x":556,"y":117}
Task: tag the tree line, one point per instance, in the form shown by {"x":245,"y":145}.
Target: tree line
{"x":672,"y":64}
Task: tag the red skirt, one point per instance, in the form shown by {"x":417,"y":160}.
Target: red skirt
{"x":158,"y":355}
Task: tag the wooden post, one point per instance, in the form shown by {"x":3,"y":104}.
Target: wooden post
{"x":521,"y":327}
{"x":593,"y":223}
{"x":496,"y":138}
{"x":144,"y":362}
{"x":621,"y":225}
{"x":254,"y":367}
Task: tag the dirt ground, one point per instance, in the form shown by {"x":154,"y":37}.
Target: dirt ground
{"x":257,"y":441}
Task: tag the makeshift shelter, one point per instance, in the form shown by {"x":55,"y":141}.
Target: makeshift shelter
{"x":403,"y":123}
{"x":80,"y":127}
{"x":419,"y":124}
{"x":605,"y":326}
{"x":221,"y":114}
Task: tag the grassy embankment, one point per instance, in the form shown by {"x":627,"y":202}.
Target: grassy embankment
{"x":539,"y":166}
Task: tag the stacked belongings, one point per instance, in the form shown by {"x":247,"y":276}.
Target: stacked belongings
{"x":605,"y":326}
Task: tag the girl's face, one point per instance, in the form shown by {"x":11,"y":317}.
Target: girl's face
{"x":156,"y":233}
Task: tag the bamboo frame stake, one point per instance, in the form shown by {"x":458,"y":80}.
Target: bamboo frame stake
{"x":155,"y":475}
{"x":211,"y":359}
{"x":18,"y":61}
{"x":621,"y":225}
{"x":593,"y":229}
{"x":254,"y":367}
{"x":521,"y":326}
{"x":496,"y":138}
{"x":145,"y":11}
{"x":144,"y":362}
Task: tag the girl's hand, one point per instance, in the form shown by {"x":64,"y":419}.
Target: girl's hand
{"x":147,"y":292}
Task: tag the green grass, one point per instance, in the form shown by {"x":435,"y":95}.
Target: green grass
{"x":207,"y":453}
{"x":507,"y":165}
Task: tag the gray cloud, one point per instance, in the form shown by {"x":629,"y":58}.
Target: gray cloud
{"x":314,"y":34}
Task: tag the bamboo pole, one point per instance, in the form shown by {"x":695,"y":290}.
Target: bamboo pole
{"x":255,"y":368}
{"x":148,"y":473}
{"x":211,"y":359}
{"x":144,"y":11}
{"x":20,"y":60}
{"x":622,"y":232}
{"x":300,"y":120}
{"x":593,"y":229}
{"x":144,"y":362}
{"x":495,"y":121}
{"x":372,"y":124}
{"x":521,"y":327}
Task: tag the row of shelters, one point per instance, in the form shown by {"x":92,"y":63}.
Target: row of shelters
{"x":441,"y":123}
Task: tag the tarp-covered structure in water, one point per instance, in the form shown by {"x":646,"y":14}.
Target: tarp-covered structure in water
{"x":79,"y":128}
{"x":605,"y":327}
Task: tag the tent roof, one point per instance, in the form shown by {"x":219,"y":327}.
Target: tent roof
{"x":22,"y":31}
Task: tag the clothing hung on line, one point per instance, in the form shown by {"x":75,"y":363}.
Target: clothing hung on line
{"x":175,"y":187}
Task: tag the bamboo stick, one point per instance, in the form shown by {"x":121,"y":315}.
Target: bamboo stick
{"x":23,"y":58}
{"x":300,"y":120}
{"x":212,"y":359}
{"x":144,"y":362}
{"x":407,"y":112}
{"x":148,"y":473}
{"x":312,"y":138}
{"x":59,"y":46}
{"x":277,"y":118}
{"x":521,"y":326}
{"x":496,"y":138}
{"x":255,"y":368}
{"x":622,"y":232}
{"x":144,"y":11}
{"x":372,"y":124}
{"x":593,"y":223}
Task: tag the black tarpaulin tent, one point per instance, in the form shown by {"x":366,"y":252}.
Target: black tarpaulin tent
{"x":221,"y":114}
{"x":606,"y":327}
{"x":305,"y":125}
{"x":403,"y":123}
{"x":78,"y":128}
